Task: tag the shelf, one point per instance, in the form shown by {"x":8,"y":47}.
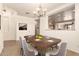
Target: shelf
{"x":64,"y":21}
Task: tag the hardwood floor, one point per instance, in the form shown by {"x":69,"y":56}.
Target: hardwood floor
{"x":12,"y":48}
{"x":71,"y":53}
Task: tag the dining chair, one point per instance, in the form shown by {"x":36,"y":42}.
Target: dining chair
{"x":62,"y":50}
{"x":24,"y":48}
{"x":53,"y":51}
{"x":31,"y":48}
{"x":29,"y":45}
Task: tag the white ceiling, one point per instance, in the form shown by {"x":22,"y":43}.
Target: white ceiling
{"x":22,"y":8}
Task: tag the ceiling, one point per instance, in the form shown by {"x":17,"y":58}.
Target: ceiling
{"x":26,"y":9}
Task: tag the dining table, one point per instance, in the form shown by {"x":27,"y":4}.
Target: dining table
{"x":42,"y":45}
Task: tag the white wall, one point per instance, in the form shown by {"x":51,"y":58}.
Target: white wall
{"x":71,"y":37}
{"x":1,"y":41}
{"x":30,"y":27}
{"x":9,"y":23}
{"x":0,"y":6}
{"x":1,"y":34}
{"x":9,"y":27}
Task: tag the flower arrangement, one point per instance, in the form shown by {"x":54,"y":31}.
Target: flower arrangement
{"x":39,"y":36}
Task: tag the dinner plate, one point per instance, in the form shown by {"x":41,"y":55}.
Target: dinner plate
{"x":50,"y":41}
{"x":37,"y":39}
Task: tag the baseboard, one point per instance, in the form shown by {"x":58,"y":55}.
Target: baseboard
{"x":1,"y":50}
{"x":9,"y":40}
{"x":74,"y":51}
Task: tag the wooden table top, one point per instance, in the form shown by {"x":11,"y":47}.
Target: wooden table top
{"x":43,"y":43}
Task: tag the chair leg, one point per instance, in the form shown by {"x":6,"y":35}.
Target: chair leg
{"x":52,"y":48}
{"x":21,"y":52}
{"x":56,"y":46}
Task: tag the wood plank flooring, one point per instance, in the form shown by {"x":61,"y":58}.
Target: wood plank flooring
{"x":12,"y":48}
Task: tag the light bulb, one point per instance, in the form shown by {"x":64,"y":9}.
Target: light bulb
{"x":38,"y":9}
{"x":34,"y":12}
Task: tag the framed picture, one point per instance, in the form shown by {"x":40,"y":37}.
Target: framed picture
{"x":22,"y":26}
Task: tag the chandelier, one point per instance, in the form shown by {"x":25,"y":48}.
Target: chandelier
{"x":40,"y":12}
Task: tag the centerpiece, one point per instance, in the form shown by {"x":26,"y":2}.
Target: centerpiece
{"x":39,"y":37}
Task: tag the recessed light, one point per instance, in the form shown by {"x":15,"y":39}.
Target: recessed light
{"x":4,"y":10}
{"x":27,"y":13}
